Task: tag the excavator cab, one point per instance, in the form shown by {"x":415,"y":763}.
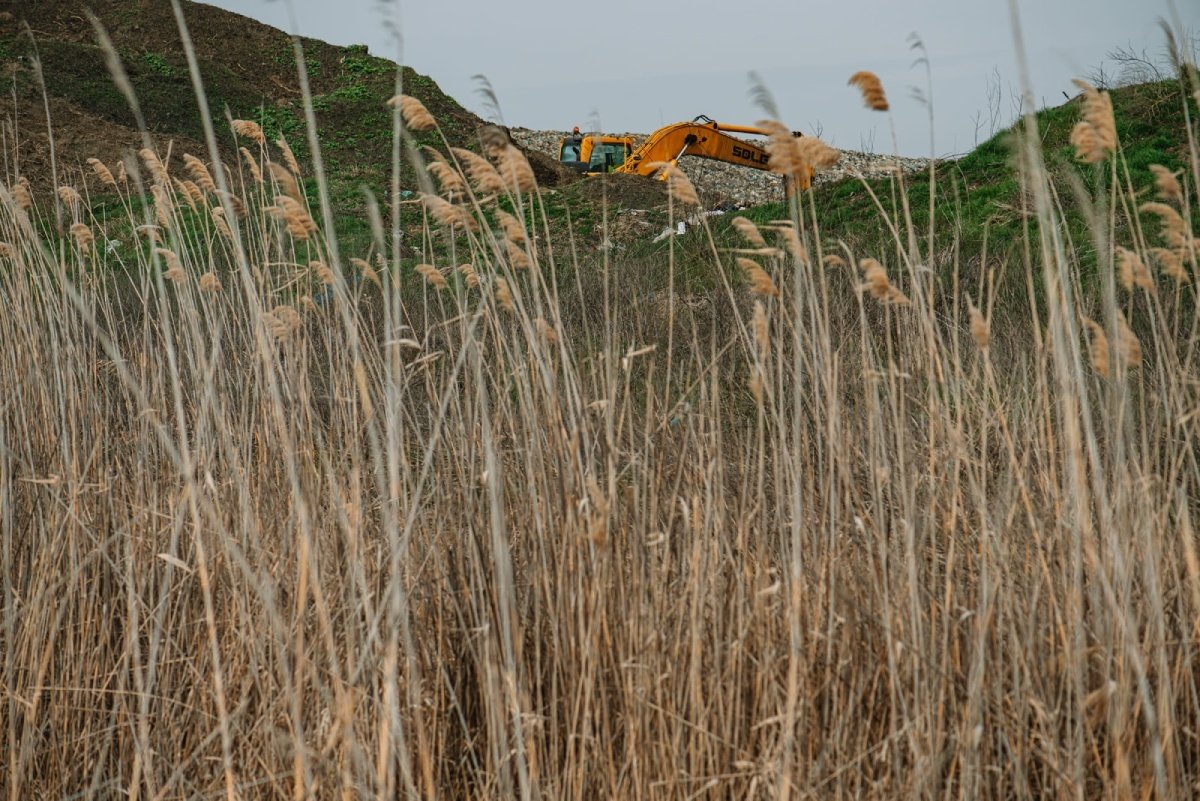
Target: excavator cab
{"x":593,"y":155}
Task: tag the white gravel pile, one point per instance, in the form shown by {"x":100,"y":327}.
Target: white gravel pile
{"x":741,"y":186}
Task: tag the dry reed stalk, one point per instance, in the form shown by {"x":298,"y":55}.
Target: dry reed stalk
{"x":286,"y":180}
{"x":249,"y":129}
{"x":1094,"y":136}
{"x":102,"y":172}
{"x":485,"y":180}
{"x":83,"y":236}
{"x":433,"y":275}
{"x":513,"y":230}
{"x":469,"y":275}
{"x":251,"y":165}
{"x":289,"y":158}
{"x":1097,"y":348}
{"x":200,"y":174}
{"x":367,"y":272}
{"x":871,"y":87}
{"x":415,"y":115}
{"x":504,"y":295}
{"x":1166,"y":183}
{"x":209,"y":282}
{"x":1131,"y":271}
{"x":749,"y":231}
{"x":760,"y":281}
{"x":878,"y":284}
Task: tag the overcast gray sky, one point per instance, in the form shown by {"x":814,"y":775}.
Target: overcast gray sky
{"x":636,"y":64}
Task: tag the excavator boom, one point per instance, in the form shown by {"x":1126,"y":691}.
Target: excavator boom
{"x":703,"y":138}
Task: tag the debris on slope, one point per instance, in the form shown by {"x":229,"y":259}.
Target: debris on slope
{"x":721,"y":184}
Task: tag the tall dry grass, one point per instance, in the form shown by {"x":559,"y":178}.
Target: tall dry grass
{"x":281,"y":521}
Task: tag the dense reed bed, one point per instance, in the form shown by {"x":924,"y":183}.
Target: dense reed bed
{"x":284,"y":521}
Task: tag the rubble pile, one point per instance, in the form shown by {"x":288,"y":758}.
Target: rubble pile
{"x":728,"y":184}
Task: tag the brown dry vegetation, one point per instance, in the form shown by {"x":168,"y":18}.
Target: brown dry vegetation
{"x":282,"y":521}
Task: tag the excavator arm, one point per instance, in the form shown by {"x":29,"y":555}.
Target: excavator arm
{"x":703,"y":138}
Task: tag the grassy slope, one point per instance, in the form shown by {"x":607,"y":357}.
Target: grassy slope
{"x":979,"y":196}
{"x":249,"y":72}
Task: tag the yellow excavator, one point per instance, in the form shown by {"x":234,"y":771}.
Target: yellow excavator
{"x":702,"y":137}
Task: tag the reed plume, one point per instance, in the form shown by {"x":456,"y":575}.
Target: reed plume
{"x":252,"y":165}
{"x":1174,"y":228}
{"x":200,"y":174}
{"x":367,"y":272}
{"x":102,"y":172}
{"x":154,"y":165}
{"x":415,"y":115}
{"x":871,"y":87}
{"x":485,"y":180}
{"x":286,"y":180}
{"x":515,"y":170}
{"x":1127,"y":343}
{"x":209,"y":282}
{"x":980,"y":328}
{"x":678,"y":185}
{"x":449,"y":179}
{"x":512,"y":226}
{"x":1170,"y":262}
{"x":469,"y":275}
{"x":1097,"y":348}
{"x":517,"y":256}
{"x":878,"y":285}
{"x":249,"y":129}
{"x":760,"y":281}
{"x":749,"y":231}
{"x":432,"y":275}
{"x":1094,"y":136}
{"x":174,"y":271}
{"x":83,"y":236}
{"x":70,"y":198}
{"x":1131,"y":271}
{"x":545,"y":330}
{"x":1166,"y":183}
{"x":289,"y":158}
{"x":504,"y":295}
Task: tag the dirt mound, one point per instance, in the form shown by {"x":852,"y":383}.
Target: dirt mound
{"x":622,"y":190}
